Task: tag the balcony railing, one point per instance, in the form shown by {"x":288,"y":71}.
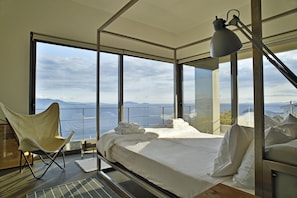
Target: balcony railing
{"x":83,"y":120}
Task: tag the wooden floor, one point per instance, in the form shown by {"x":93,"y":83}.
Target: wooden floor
{"x":16,"y":184}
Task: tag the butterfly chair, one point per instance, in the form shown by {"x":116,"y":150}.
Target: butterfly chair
{"x":38,"y":134}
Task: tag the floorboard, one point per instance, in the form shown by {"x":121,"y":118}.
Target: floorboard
{"x":15,"y":184}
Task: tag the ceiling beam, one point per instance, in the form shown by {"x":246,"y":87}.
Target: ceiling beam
{"x":117,"y":15}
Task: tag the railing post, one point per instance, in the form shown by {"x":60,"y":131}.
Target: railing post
{"x":163,"y":113}
{"x":128,"y":112}
{"x":83,"y":122}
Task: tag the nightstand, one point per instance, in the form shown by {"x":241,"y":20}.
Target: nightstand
{"x":9,"y":154}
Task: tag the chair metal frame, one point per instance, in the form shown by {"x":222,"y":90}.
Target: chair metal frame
{"x":48,"y":164}
{"x":50,"y":155}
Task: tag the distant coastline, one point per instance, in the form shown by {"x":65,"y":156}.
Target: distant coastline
{"x":81,"y":117}
{"x":270,"y":108}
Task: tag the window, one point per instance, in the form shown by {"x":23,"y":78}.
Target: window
{"x":108,"y":91}
{"x":280,"y":96}
{"x":189,"y":111}
{"x":67,"y":75}
{"x":245,"y":92}
{"x":225,"y":95}
{"x":148,"y":91}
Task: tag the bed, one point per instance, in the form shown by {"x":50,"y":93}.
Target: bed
{"x":181,"y":160}
{"x":280,"y":165}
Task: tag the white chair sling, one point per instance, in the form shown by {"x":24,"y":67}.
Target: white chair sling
{"x":38,"y":134}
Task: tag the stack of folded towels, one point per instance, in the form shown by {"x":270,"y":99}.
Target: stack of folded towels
{"x":125,"y":128}
{"x":176,"y":123}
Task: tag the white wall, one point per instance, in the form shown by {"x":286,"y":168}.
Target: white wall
{"x":17,"y":19}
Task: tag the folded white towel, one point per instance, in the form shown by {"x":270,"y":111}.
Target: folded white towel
{"x":176,"y":123}
{"x":177,"y":120}
{"x":125,"y":128}
{"x":126,"y":131}
{"x":128,"y":125}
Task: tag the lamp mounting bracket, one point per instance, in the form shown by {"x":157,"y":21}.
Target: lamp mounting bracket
{"x":235,"y":15}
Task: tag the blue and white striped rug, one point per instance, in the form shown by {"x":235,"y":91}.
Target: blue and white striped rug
{"x":90,"y":187}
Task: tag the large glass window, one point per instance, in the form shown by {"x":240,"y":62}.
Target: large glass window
{"x":67,"y":75}
{"x":245,"y":92}
{"x":108,"y":91}
{"x":225,"y":96}
{"x":280,"y":96}
{"x":189,"y":111}
{"x":148,"y":91}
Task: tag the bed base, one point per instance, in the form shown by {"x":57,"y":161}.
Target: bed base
{"x":114,"y":186}
{"x":144,"y":183}
{"x":270,"y":171}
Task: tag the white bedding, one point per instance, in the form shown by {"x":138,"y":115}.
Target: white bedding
{"x":178,"y":160}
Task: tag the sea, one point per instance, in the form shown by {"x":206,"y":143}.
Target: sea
{"x":81,"y":117}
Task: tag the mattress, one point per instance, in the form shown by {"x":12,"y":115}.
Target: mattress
{"x":276,"y":152}
{"x":177,"y":160}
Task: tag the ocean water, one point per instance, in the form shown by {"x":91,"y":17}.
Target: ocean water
{"x":81,"y":117}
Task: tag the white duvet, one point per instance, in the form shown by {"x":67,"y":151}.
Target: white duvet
{"x":109,"y":139}
{"x":178,"y":160}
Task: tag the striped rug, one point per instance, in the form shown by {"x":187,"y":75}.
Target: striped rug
{"x":90,"y":187}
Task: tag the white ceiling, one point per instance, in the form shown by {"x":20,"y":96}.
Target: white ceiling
{"x":168,"y":22}
{"x":176,"y":23}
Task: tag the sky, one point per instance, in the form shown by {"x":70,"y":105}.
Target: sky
{"x":276,"y":86}
{"x":69,"y":74}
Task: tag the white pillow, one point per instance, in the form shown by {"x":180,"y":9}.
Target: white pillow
{"x":270,"y":122}
{"x":290,"y":119}
{"x":289,"y":129}
{"x":275,"y":135}
{"x":232,"y":149}
{"x":245,"y":176}
{"x":285,"y":152}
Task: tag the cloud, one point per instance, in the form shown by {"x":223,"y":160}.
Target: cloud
{"x":70,"y":74}
{"x":147,"y":81}
{"x":66,"y":77}
{"x":276,"y":87}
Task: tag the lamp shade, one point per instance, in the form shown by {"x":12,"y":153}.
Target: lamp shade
{"x":223,"y":41}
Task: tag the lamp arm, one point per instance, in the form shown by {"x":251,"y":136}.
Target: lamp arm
{"x":274,"y":60}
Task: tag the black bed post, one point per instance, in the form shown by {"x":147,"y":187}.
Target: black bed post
{"x":234,"y":88}
{"x":121,"y":89}
{"x":99,"y":31}
{"x":258,"y":97}
{"x":98,"y":96}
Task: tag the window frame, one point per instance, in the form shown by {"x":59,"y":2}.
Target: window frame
{"x":34,"y":38}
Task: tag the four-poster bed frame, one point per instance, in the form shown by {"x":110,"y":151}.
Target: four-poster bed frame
{"x":264,"y":168}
